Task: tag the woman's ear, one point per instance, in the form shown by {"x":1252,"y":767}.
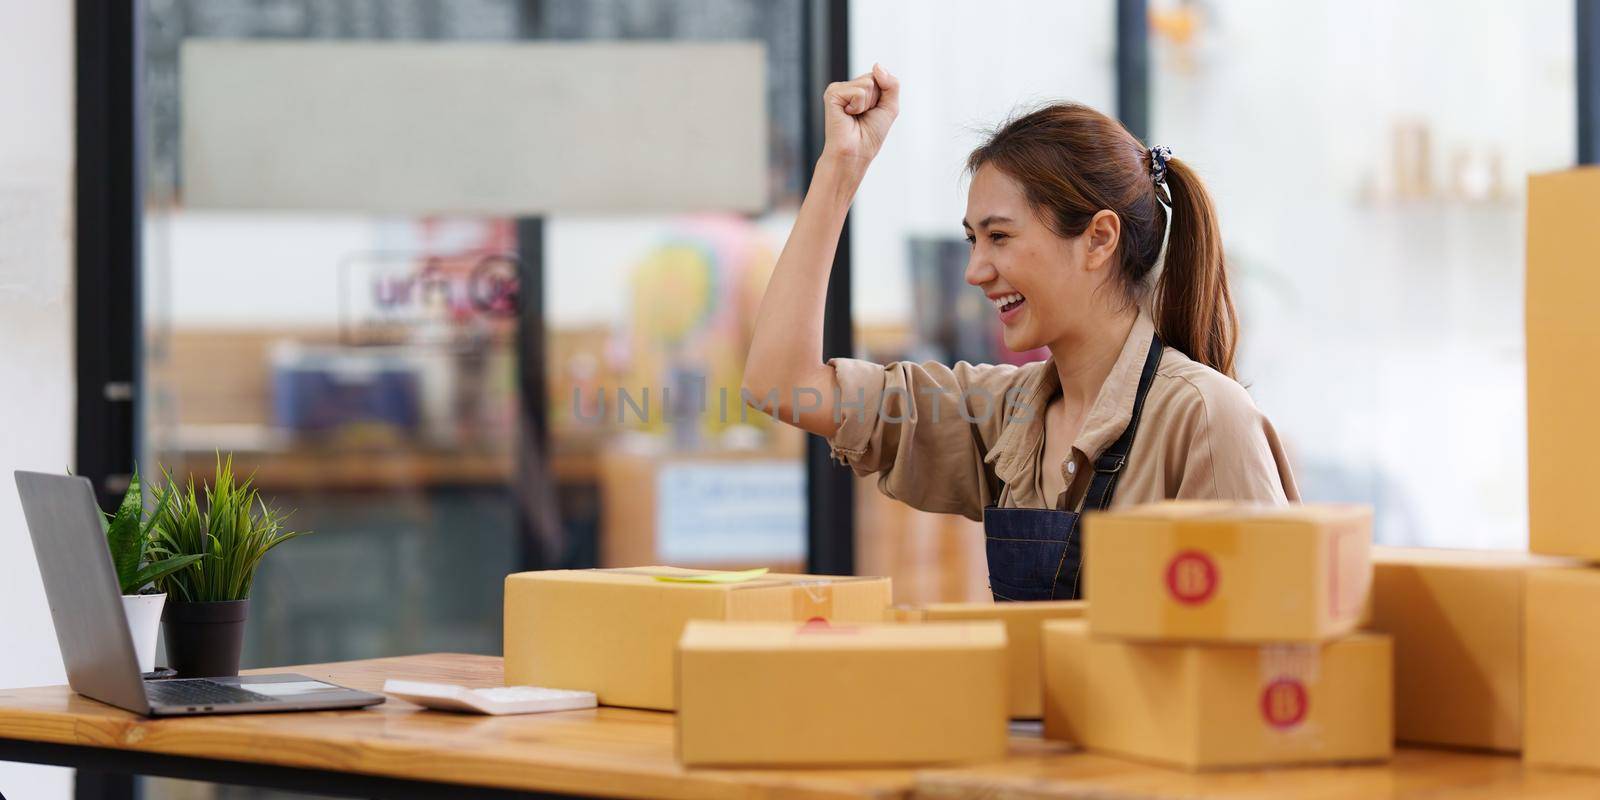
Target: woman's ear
{"x":1101,"y":236}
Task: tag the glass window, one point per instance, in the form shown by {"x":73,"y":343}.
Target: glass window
{"x":1370,"y":174}
{"x":360,"y":366}
{"x":364,"y":366}
{"x":648,"y":320}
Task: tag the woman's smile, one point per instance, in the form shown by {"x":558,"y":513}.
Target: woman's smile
{"x":1010,"y":306}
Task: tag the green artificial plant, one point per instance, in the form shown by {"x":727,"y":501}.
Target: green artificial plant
{"x":128,"y":537}
{"x":227,"y":533}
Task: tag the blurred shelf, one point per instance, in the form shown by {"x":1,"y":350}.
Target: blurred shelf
{"x":347,"y":470}
{"x":281,"y":464}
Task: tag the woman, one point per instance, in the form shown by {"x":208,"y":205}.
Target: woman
{"x":1067,"y":215}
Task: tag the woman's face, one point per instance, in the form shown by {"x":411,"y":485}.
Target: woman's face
{"x":1043,"y":286}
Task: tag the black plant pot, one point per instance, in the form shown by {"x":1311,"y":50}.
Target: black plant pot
{"x":204,"y":639}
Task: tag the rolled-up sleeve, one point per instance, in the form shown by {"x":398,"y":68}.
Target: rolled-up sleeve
{"x":923,"y":428}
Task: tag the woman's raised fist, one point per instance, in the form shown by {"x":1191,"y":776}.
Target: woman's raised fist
{"x":859,"y":113}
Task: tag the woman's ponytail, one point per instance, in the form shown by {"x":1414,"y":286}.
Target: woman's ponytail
{"x":1192,"y":307}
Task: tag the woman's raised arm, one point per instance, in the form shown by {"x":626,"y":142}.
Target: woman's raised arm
{"x":784,"y":372}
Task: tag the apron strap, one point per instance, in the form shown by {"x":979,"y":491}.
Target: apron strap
{"x":1108,"y":467}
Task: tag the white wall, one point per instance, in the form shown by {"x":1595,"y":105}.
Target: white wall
{"x":36,"y":404}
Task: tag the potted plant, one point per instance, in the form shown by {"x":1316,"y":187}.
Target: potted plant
{"x":231,"y":529}
{"x":138,"y":566}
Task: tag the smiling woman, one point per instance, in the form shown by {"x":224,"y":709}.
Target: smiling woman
{"x":1068,"y":221}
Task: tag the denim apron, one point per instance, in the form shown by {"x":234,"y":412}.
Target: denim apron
{"x":1037,"y":553}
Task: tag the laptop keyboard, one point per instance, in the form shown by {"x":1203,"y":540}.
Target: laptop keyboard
{"x":181,"y":692}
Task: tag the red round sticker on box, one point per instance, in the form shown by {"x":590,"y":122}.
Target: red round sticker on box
{"x":1283,"y":703}
{"x":1191,"y":577}
{"x":822,"y":625}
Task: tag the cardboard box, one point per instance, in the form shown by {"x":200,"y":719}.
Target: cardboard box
{"x":1227,"y":572}
{"x":612,"y":632}
{"x":1023,"y":621}
{"x":811,"y":694}
{"x":1456,"y":618}
{"x":1563,"y":333}
{"x":1204,"y":706}
{"x":1561,"y":641}
{"x":903,"y":613}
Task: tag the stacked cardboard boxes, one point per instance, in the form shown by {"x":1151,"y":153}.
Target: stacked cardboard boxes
{"x":1024,"y":622}
{"x":766,"y":669}
{"x":614,"y":631}
{"x":1223,"y":636}
{"x":1561,"y":657}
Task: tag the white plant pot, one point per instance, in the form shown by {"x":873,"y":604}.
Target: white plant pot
{"x":144,"y":622}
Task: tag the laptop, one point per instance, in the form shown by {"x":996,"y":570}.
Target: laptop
{"x":86,"y":604}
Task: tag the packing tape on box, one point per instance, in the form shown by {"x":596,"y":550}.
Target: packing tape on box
{"x":808,"y":599}
{"x":812,"y":600}
{"x":904,"y":613}
{"x":1288,"y":679}
{"x":1348,"y":582}
{"x":1193,"y":578}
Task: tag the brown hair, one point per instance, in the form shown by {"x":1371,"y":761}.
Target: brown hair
{"x":1072,"y":161}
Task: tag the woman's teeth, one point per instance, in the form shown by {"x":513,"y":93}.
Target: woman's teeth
{"x":1007,"y":302}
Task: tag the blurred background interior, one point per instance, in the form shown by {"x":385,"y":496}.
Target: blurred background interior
{"x":424,"y":388}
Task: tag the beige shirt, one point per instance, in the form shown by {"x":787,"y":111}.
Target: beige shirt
{"x":956,"y":439}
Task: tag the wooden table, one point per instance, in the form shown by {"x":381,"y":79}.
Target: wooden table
{"x":397,"y":750}
{"x":1036,"y":772}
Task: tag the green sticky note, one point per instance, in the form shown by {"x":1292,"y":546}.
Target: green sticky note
{"x":715,"y":577}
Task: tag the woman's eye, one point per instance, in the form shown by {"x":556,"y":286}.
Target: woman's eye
{"x":972,"y":240}
{"x":995,"y":237}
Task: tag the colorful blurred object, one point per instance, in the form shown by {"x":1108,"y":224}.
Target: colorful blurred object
{"x":340,"y":392}
{"x":1178,"y":23}
{"x":694,"y":299}
{"x":673,"y":291}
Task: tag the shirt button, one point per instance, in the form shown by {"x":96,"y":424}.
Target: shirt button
{"x":1072,"y":467}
